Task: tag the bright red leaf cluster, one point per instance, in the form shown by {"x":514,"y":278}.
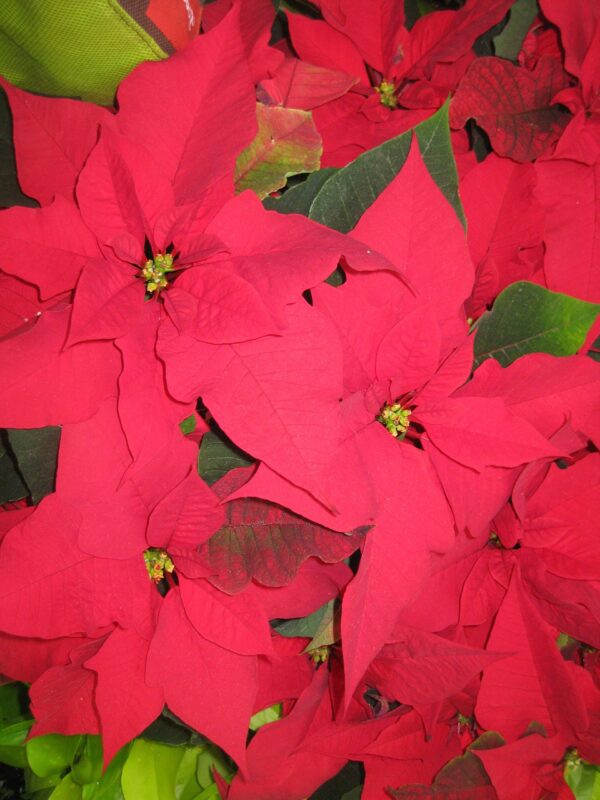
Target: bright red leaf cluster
{"x":143,"y":291}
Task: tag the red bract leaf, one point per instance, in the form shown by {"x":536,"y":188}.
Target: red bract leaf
{"x":263,"y":542}
{"x":413,"y":520}
{"x":534,"y":683}
{"x":463,"y":778}
{"x":198,"y":678}
{"x":26,"y":659}
{"x":444,"y":36}
{"x":45,"y":385}
{"x":126,"y":705}
{"x":423,"y":668}
{"x":65,"y":590}
{"x":278,"y":766}
{"x":568,"y":192}
{"x":52,"y":137}
{"x":20,"y":305}
{"x":513,"y":105}
{"x":191,"y":145}
{"x":515,"y":768}
{"x":276,"y":397}
{"x":577,"y":23}
{"x":481,"y":432}
{"x":297,"y":84}
{"x":62,"y":701}
{"x":236,"y":623}
{"x":46,"y":246}
{"x":429,"y":248}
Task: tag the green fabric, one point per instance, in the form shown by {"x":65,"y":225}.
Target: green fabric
{"x":72,"y":48}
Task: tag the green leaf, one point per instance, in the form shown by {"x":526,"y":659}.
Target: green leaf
{"x":217,"y":456}
{"x":51,"y":754}
{"x":12,"y":486}
{"x":67,"y":789}
{"x":526,"y":318}
{"x":328,"y":630}
{"x":298,"y":199}
{"x":12,"y":743}
{"x":346,"y":785}
{"x":583,"y":779}
{"x":10,"y":191}
{"x":109,"y":785}
{"x":287,"y":143}
{"x":270,"y":714}
{"x":14,"y":703}
{"x":188,"y":425}
{"x":87,"y":766}
{"x":150,"y":771}
{"x":508,"y":43}
{"x":346,"y":195}
{"x":303,"y":626}
{"x":35,"y":451}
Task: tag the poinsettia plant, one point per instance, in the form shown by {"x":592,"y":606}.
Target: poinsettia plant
{"x":299,"y":457}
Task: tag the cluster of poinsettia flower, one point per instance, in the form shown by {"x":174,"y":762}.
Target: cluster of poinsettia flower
{"x":149,"y":302}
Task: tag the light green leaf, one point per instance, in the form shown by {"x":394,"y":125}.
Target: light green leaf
{"x":51,"y":754}
{"x":270,"y":714}
{"x":87,"y":767}
{"x":109,"y":785}
{"x":508,"y":43}
{"x":526,"y":318}
{"x":67,"y":789}
{"x":218,"y":456}
{"x":349,"y":192}
{"x":35,"y":451}
{"x":150,"y":771}
{"x":583,"y":779}
{"x":287,"y":143}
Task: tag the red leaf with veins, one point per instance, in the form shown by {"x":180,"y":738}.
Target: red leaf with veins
{"x":276,"y":397}
{"x":197,"y":679}
{"x":568,"y":192}
{"x":423,"y":668}
{"x":126,"y":704}
{"x":534,"y":683}
{"x":46,"y":246}
{"x":513,"y":105}
{"x":64,"y":590}
{"x":192,"y":147}
{"x":297,"y":84}
{"x":53,"y":137}
{"x":46,"y":385}
{"x":263,"y":542}
{"x":413,"y":520}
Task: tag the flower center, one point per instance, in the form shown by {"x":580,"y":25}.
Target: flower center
{"x":396,"y":419}
{"x":387,"y":94}
{"x":155,"y":272}
{"x":157,"y":563}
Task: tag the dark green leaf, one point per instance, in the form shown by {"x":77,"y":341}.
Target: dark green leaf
{"x":188,"y":425}
{"x":10,"y":191}
{"x":87,"y":766}
{"x":12,"y":486}
{"x":35,"y":451}
{"x":14,"y":703}
{"x":346,"y":195}
{"x":346,"y":785}
{"x":217,"y":456}
{"x":303,"y":626}
{"x":109,"y":785}
{"x":508,"y":43}
{"x":526,"y":318}
{"x":298,"y":199}
{"x":12,"y":743}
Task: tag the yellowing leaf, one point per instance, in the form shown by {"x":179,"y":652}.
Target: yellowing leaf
{"x":287,"y":144}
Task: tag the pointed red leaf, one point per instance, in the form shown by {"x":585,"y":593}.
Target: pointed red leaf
{"x":297,"y":84}
{"x":126,"y":704}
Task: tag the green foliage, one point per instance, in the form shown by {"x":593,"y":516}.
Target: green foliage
{"x":526,"y":318}
{"x":348,"y":193}
{"x":583,"y":779}
{"x":298,"y":199}
{"x":304,"y":626}
{"x":218,"y":456}
{"x":508,"y":43}
{"x":27,"y":463}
